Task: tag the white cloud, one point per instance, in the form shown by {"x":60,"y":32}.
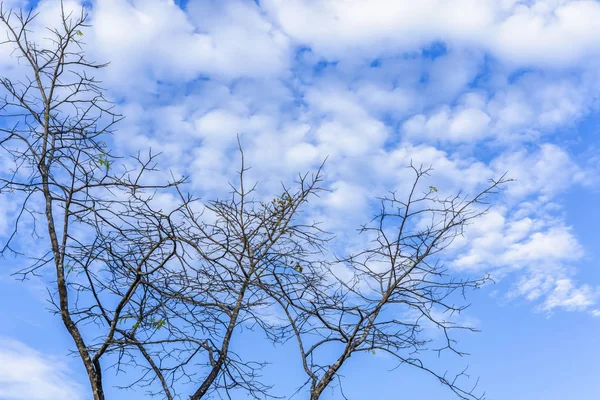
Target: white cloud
{"x":156,"y":40}
{"x":498,"y":242}
{"x":346,"y":197}
{"x":394,"y":100}
{"x":26,"y":374}
{"x":540,"y":102}
{"x":450,"y":171}
{"x":538,"y":251}
{"x":350,"y":139}
{"x":551,"y":34}
{"x":302,"y":155}
{"x":530,"y":107}
{"x":470,"y":115}
{"x":523,"y":33}
{"x":547,"y":171}
{"x":566,"y":295}
{"x":555,"y":244}
{"x":466,"y":125}
{"x":449,"y":74}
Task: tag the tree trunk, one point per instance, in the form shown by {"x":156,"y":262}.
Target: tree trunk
{"x":203,"y":389}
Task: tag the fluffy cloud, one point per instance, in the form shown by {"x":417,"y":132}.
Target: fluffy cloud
{"x":518,"y":244}
{"x":567,"y":296}
{"x":539,"y":250}
{"x":26,"y":374}
{"x":156,"y":40}
{"x":541,"y":33}
{"x":465,"y":125}
{"x":531,"y":106}
{"x":546,"y":172}
{"x":362,"y":83}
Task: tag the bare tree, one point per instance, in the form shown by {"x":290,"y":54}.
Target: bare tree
{"x":216,"y":292}
{"x":398,"y":287}
{"x":103,"y":237}
{"x":163,"y":293}
{"x":156,"y":292}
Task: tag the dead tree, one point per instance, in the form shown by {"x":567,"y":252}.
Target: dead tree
{"x":397,"y":287}
{"x":94,"y":221}
{"x":157,"y":292}
{"x":165,"y":292}
{"x":215,"y":294}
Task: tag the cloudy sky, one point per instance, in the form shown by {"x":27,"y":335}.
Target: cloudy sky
{"x":475,"y":88}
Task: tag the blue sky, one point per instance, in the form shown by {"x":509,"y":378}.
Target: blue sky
{"x":473,"y":87}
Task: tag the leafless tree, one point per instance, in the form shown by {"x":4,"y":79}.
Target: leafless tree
{"x":163,"y":291}
{"x":389,"y":292}
{"x":157,"y":293}
{"x":215,"y":294}
{"x":92,"y":221}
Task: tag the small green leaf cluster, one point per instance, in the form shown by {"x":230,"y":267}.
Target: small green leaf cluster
{"x":103,"y":161}
{"x":298,"y":268}
{"x":157,"y":323}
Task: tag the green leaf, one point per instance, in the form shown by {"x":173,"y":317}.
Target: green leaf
{"x":373,"y":352}
{"x":160,"y":323}
{"x":298,"y":268}
{"x":102,"y":161}
{"x":433,"y":188}
{"x":79,"y":33}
